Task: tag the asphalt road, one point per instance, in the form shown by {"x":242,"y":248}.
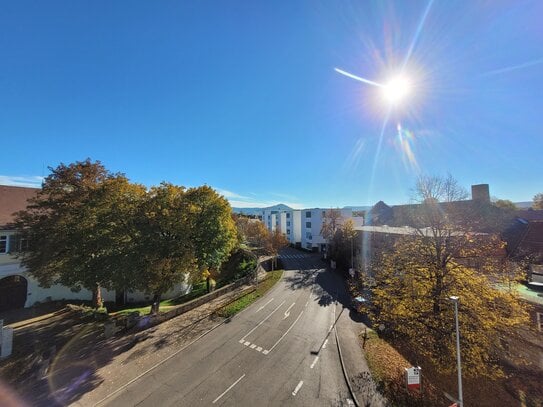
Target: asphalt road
{"x":279,"y":351}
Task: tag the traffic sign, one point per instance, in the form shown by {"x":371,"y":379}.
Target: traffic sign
{"x":412,"y":376}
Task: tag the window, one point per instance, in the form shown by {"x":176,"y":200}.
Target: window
{"x":308,"y":236}
{"x":17,"y":243}
{"x":308,"y":214}
{"x":288,"y":215}
{"x":3,"y":244}
{"x":288,"y":223}
{"x":323,"y":214}
{"x":307,"y":224}
{"x":288,"y":231}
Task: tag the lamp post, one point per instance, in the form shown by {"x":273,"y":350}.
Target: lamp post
{"x":454,"y":299}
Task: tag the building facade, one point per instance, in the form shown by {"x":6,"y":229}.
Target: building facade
{"x":302,"y":227}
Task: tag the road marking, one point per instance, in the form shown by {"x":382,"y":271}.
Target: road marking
{"x":314,"y":362}
{"x":259,"y":349}
{"x":350,"y":402}
{"x":253,"y":346}
{"x":297,"y":388}
{"x":324,"y":344}
{"x":228,"y":389}
{"x":288,"y":330}
{"x":262,"y":307}
{"x":241,"y":341}
{"x":265,"y":352}
{"x":287,"y":313}
{"x":261,"y":322}
{"x":247,"y":343}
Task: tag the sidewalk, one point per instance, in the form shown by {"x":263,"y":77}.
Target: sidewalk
{"x":354,"y":361}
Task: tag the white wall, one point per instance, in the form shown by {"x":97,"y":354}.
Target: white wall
{"x":58,"y":292}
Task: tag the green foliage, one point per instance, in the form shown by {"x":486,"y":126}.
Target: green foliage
{"x":164,"y":251}
{"x":241,"y":263}
{"x":243,"y":302}
{"x":75,"y":240}
{"x":212,"y":231}
{"x":89,"y":228}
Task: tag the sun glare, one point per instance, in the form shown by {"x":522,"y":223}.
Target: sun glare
{"x":396,"y":90}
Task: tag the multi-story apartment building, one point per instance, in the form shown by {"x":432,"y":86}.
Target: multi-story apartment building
{"x":302,"y":227}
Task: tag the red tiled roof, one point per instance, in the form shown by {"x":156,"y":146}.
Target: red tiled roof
{"x":13,"y":199}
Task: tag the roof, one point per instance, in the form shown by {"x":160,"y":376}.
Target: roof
{"x":406,"y":230}
{"x":13,"y":199}
{"x":530,"y":214}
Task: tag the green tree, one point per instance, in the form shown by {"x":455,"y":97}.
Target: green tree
{"x":443,"y":257}
{"x":73,"y":239}
{"x":212,"y":230}
{"x":164,"y":252}
{"x":538,"y":201}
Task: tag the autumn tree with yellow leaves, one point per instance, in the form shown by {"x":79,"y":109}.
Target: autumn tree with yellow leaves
{"x":444,"y":257}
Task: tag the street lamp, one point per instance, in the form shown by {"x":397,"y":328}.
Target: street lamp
{"x":454,"y":299}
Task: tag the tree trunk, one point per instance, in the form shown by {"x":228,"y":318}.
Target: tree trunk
{"x":97,"y":297}
{"x":156,"y":303}
{"x":208,"y":283}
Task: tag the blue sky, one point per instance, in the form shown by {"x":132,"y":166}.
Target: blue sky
{"x":243,"y":96}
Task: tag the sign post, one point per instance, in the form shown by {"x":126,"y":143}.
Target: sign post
{"x":412,"y":377}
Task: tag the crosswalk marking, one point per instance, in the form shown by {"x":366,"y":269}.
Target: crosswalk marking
{"x":294,"y":256}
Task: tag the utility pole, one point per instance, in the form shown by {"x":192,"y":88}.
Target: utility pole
{"x":454,"y":299}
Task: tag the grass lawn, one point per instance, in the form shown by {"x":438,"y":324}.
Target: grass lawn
{"x":243,"y":302}
{"x":198,"y":290}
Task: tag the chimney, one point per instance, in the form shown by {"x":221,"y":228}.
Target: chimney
{"x":480,"y":193}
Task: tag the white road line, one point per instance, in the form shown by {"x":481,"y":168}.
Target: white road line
{"x":262,"y":307}
{"x":259,"y":349}
{"x":253,"y":346}
{"x":324,"y":344}
{"x":247,"y":343}
{"x":287,"y":313}
{"x":265,"y":352}
{"x":297,"y":388}
{"x":241,"y":341}
{"x":285,"y":334}
{"x":314,"y":362}
{"x":261,"y":322}
{"x":228,"y":389}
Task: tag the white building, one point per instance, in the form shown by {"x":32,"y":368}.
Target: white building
{"x":303,"y":227}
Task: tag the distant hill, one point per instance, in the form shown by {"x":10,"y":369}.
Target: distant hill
{"x":524,"y":205}
{"x":358,"y":208}
{"x":257,"y":211}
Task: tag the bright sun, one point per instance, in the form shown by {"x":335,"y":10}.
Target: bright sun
{"x":396,"y":90}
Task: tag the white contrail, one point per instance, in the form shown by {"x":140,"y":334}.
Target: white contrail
{"x":514,"y":67}
{"x":358,"y":78}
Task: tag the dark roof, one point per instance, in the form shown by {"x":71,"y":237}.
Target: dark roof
{"x":13,"y":199}
{"x":379,"y":214}
{"x":530,"y":214}
{"x":525,"y":239}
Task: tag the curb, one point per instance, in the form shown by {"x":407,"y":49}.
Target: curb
{"x":353,"y":395}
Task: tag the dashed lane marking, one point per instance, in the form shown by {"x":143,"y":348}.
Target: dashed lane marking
{"x":298,"y":388}
{"x":228,"y":389}
{"x":314,"y":362}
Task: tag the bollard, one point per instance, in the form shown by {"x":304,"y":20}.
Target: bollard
{"x":7,"y":342}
